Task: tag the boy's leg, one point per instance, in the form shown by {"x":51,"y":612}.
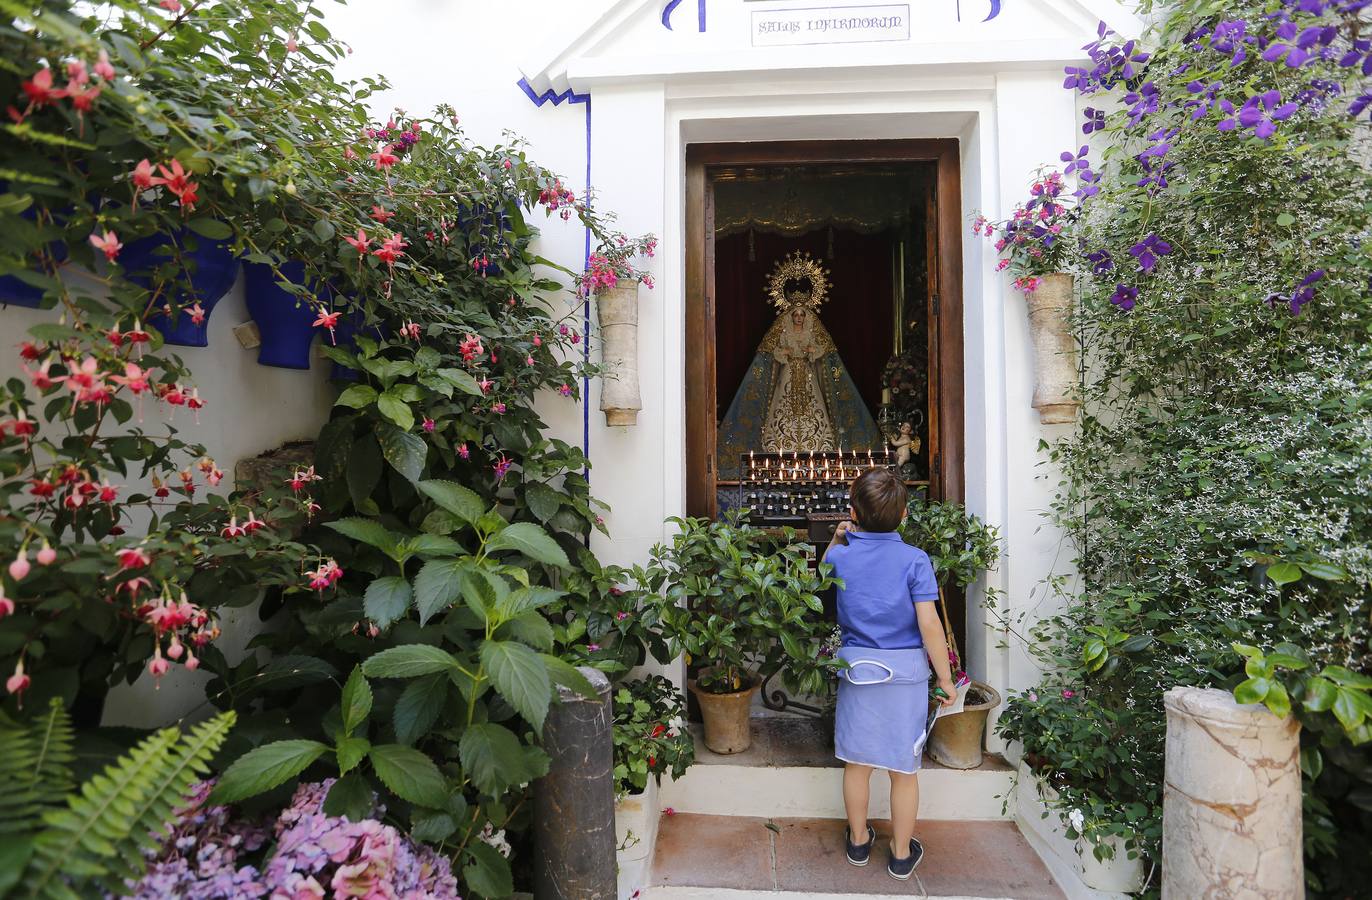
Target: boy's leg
{"x":904,"y":811}
{"x":856,"y":788}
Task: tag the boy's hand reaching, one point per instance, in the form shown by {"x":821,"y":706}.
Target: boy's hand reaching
{"x":950,"y":691}
{"x":841,"y":530}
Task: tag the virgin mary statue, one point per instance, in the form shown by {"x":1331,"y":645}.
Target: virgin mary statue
{"x":797,"y":394}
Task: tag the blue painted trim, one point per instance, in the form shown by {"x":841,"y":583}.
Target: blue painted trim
{"x":671,"y":8}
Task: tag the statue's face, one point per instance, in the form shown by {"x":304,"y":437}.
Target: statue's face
{"x":905,"y":428}
{"x":798,"y":316}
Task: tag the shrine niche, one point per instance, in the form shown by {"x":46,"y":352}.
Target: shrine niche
{"x":821,"y":334}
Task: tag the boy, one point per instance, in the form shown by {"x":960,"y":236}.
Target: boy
{"x":890,"y":630}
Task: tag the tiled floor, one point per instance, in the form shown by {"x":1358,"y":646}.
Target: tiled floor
{"x":970,"y":859}
{"x":791,"y":740}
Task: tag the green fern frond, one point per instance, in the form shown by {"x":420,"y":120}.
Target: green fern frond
{"x":35,"y":768}
{"x":100,"y":835}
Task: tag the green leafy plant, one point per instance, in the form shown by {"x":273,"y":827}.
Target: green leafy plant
{"x":960,"y":546}
{"x":649,"y":734}
{"x":60,"y":843}
{"x":738,"y":601}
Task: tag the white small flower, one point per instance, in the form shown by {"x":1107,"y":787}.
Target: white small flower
{"x":1076,"y":820}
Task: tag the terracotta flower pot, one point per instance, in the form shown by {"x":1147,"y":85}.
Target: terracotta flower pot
{"x":617,"y":310}
{"x":956,"y":740}
{"x":1055,"y":350}
{"x":728,"y":726}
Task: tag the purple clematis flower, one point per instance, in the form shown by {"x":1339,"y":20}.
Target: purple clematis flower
{"x":1077,"y":161}
{"x":1360,"y":54}
{"x":1124,"y":296}
{"x":1101,"y":262}
{"x":1232,"y":37}
{"x":1359,"y":104}
{"x":1305,"y":291}
{"x":1300,"y":45}
{"x":1206,"y":94}
{"x":1095,"y":120}
{"x":1149,"y":250}
{"x":1261,"y":113}
{"x":1144,"y":102}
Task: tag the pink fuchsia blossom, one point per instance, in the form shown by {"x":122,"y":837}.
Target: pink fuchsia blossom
{"x":498,"y":409}
{"x":108,"y":244}
{"x":157,"y":666}
{"x":471,"y":348}
{"x":381,"y":214}
{"x":1068,"y":694}
{"x":19,"y":569}
{"x":463,"y":451}
{"x":142,"y":176}
{"x":47,"y":556}
{"x":360,"y":242}
{"x":39,"y":89}
{"x":328,"y":573}
{"x":592,"y":648}
{"x":565,"y":390}
{"x":103,"y":67}
{"x":428,"y":424}
{"x":301,"y":478}
{"x":391,"y":249}
{"x":233,"y":529}
{"x":196,"y":312}
{"x":133,"y":558}
{"x":485,"y":384}
{"x":19,"y":682}
{"x":384,"y":158}
{"x":327,"y":320}
{"x":502,"y":466}
{"x":6,"y":606}
{"x":170,"y":5}
{"x":410,"y":330}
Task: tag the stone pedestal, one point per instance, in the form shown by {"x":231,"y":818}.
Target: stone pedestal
{"x":1232,"y":800}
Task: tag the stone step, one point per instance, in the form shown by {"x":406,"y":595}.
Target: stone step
{"x":790,"y":770}
{"x":704,"y":857}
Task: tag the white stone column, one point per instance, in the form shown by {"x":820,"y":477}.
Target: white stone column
{"x":1231,"y":820}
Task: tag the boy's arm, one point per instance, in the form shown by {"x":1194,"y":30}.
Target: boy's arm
{"x":936,"y":645}
{"x":838,"y":538}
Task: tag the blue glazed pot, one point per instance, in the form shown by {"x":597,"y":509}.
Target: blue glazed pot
{"x":15,"y":292}
{"x":211,"y":270}
{"x":284,"y":321}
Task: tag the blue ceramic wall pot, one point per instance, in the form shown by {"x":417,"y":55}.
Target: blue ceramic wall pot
{"x":285,"y":322}
{"x":16,"y":292}
{"x":346,"y":332}
{"x":210,"y":269}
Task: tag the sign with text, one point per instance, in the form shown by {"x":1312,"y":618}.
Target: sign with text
{"x":831,"y":25}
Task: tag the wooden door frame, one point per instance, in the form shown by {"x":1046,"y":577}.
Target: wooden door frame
{"x":947,"y":426}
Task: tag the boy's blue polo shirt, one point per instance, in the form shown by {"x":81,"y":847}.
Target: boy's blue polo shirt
{"x":883,"y":579}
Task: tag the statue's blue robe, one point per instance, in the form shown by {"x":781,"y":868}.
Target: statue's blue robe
{"x":741,"y":428}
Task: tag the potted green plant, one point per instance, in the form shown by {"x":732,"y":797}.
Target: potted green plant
{"x":650,"y":739}
{"x":742,"y":605}
{"x":961,"y":547}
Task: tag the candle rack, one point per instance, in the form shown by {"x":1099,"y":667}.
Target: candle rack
{"x":792,"y":487}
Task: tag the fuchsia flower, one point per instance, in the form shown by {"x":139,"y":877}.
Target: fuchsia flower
{"x":498,"y":409}
{"x":133,"y":558}
{"x":19,"y":569}
{"x":134,"y":378}
{"x":1068,"y":694}
{"x":382,"y":214}
{"x":39,"y":88}
{"x":103,"y":67}
{"x":471,"y":348}
{"x":327,"y":320}
{"x":301,"y":478}
{"x":502,"y":465}
{"x":391,"y":249}
{"x":359,"y":243}
{"x":233,"y":529}
{"x":325,"y":576}
{"x":108,"y":244}
{"x":142,"y":176}
{"x":177,"y":180}
{"x":170,"y":5}
{"x":565,"y":390}
{"x":485,"y":384}
{"x":18,"y":682}
{"x":47,"y":556}
{"x":463,"y":452}
{"x":428,"y":424}
{"x":196,"y":313}
{"x":6,"y":606}
{"x":384,"y":158}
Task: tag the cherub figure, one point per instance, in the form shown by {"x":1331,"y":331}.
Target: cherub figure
{"x":906,"y":445}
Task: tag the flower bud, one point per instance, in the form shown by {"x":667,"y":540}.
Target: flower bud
{"x":19,"y":569}
{"x":47,"y":556}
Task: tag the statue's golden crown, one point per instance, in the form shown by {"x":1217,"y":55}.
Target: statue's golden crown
{"x":798,"y":266}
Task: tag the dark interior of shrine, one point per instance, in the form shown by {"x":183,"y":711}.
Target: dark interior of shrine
{"x":869,"y":227}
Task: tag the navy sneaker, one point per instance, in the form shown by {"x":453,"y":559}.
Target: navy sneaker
{"x":859,"y":854}
{"x":904,"y":868}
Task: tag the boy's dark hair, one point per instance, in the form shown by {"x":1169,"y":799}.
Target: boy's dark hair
{"x":879,"y":498}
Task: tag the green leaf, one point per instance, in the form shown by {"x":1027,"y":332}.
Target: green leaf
{"x":432,"y":827}
{"x":351,"y":798}
{"x":212,"y":228}
{"x":264,"y":768}
{"x":1254,"y":690}
{"x":532,"y":541}
{"x":357,"y":396}
{"x":1277,"y":700}
{"x":386,"y":600}
{"x":434,"y":545}
{"x":1284,"y":573}
{"x":460,"y":501}
{"x":1286,"y":220}
{"x":349,"y":752}
{"x":463,"y":381}
{"x":368,"y":531}
{"x":1325,"y":571}
{"x":408,"y":661}
{"x":543,"y":501}
{"x":409,"y":774}
{"x":569,"y":676}
{"x":395,"y":409}
{"x":1347,"y":677}
{"x":436,"y":586}
{"x":1320,"y":695}
{"x":488,"y":873}
{"x":526,"y":599}
{"x":418,"y":707}
{"x":521,"y":677}
{"x":404,"y":451}
{"x":492,"y":758}
{"x":357,"y":701}
{"x":1347,"y":709}
{"x":324,"y":229}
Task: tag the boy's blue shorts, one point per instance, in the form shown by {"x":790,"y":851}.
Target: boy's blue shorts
{"x":883,"y":705}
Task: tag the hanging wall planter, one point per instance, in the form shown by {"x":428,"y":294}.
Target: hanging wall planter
{"x":14,"y":291}
{"x":285,"y":322}
{"x":618,"y":312}
{"x":1055,"y":350}
{"x":210,"y":269}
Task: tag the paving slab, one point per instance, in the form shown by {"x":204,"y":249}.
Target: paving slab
{"x":806,"y":856}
